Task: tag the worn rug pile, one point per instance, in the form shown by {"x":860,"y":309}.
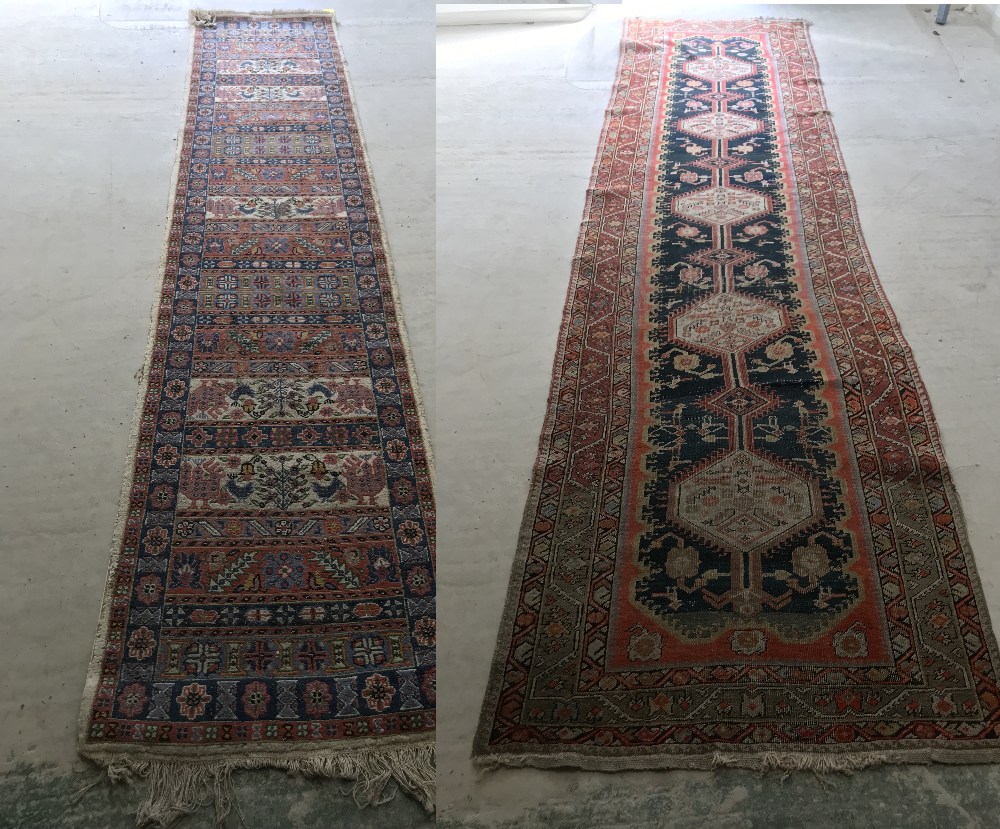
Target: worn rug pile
{"x":270,"y":599}
{"x":742,"y":545}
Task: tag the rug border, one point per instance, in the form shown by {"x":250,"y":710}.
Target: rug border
{"x":100,"y":639}
{"x":243,"y":754}
{"x":816,"y":758}
{"x":482,"y":754}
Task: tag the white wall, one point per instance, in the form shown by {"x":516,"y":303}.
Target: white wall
{"x":991,"y":15}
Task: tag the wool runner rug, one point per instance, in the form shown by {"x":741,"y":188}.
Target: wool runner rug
{"x":270,"y":600}
{"x":742,"y":545}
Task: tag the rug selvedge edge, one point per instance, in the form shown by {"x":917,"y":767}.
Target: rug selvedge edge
{"x":481,"y":749}
{"x":100,"y":639}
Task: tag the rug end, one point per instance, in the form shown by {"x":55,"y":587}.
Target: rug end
{"x":178,"y":787}
{"x":208,"y":19}
{"x":201,"y":19}
{"x":782,"y":763}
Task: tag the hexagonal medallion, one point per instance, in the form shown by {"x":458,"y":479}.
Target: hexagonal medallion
{"x":744,"y":501}
{"x":721,"y":205}
{"x":728,"y":323}
{"x":718,"y":68}
{"x":720,"y":125}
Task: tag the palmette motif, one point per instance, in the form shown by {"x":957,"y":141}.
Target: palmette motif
{"x":274,"y":586}
{"x":742,"y":545}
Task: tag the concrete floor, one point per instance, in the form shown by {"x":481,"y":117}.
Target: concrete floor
{"x":93,"y":97}
{"x":917,"y":108}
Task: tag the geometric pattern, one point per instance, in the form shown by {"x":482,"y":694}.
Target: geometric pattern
{"x":744,"y":501}
{"x":721,"y":256}
{"x":742,"y":545}
{"x":721,"y":205}
{"x":718,"y":68}
{"x":272,"y":588}
{"x":739,"y":401}
{"x":728,"y":323}
{"x":719,"y":125}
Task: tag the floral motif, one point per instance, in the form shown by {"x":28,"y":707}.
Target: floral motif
{"x":317,"y":698}
{"x":378,"y":692}
{"x":748,"y":642}
{"x":419,"y":581}
{"x":132,"y":700}
{"x":811,"y":561}
{"x":686,"y":362}
{"x":141,"y":643}
{"x":255,"y":699}
{"x":682,"y":562}
{"x":404,"y":491}
{"x":691,"y":275}
{"x":167,"y":455}
{"x":193,"y":699}
{"x":410,"y":533}
{"x":644,"y":646}
{"x":780,"y":350}
{"x":425,"y":631}
{"x":155,"y":541}
{"x":851,"y":643}
{"x":284,"y":571}
{"x":752,"y":706}
{"x":148,"y":589}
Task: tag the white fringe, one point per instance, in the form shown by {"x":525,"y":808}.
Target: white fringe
{"x":208,"y":19}
{"x":201,"y":19}
{"x":822,"y":761}
{"x":175,"y":788}
{"x":790,"y":761}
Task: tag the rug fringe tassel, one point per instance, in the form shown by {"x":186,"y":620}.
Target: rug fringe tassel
{"x":176,"y":788}
{"x":818,"y":762}
{"x":201,"y":19}
{"x":205,"y":19}
{"x":790,"y":761}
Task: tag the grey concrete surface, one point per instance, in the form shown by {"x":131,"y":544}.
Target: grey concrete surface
{"x":92,"y":102}
{"x":917,"y":109}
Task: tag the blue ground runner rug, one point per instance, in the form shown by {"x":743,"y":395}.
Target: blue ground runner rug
{"x":270,"y":601}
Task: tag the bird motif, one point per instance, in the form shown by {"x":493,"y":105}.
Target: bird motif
{"x":354,"y":397}
{"x":327,"y":491}
{"x":365,"y":477}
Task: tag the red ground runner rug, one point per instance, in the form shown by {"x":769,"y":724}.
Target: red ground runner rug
{"x":742,"y":545}
{"x":271,"y":597}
